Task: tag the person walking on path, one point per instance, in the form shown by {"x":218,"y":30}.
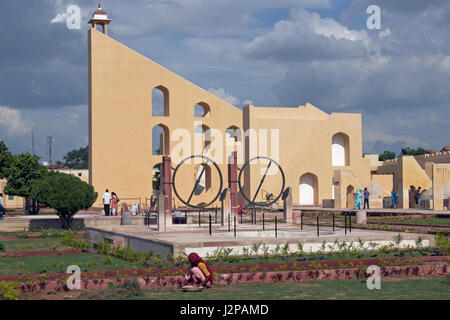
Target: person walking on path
{"x":358,"y":199}
{"x":106,"y":202}
{"x":366,"y":198}
{"x":2,"y":207}
{"x":394,"y":199}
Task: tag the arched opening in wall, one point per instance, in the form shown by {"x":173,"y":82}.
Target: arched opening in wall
{"x":160,"y":140}
{"x":202,"y":110}
{"x":202,"y":136}
{"x":340,"y":150}
{"x":160,"y":102}
{"x":308,"y":193}
{"x":156,"y":179}
{"x":350,"y":196}
{"x":204,"y":174}
{"x":446,"y":196}
{"x":233,"y":132}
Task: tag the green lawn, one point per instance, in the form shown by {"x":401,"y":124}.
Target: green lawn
{"x":59,"y":263}
{"x":426,"y":221}
{"x":49,"y":244}
{"x":402,"y":289}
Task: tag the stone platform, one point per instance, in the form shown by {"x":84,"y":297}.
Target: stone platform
{"x":187,"y":239}
{"x":39,"y":222}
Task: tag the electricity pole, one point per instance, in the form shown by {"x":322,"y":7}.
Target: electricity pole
{"x":50,"y":141}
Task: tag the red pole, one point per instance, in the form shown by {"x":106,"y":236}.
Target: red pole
{"x":233,"y":183}
{"x":167,"y":174}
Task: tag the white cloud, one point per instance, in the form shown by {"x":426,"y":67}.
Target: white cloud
{"x":222,"y":94}
{"x":384,"y":33}
{"x":12,"y":120}
{"x":372,"y":134}
{"x":60,"y":17}
{"x":446,"y":64}
{"x":308,"y":37}
{"x":248,"y":102}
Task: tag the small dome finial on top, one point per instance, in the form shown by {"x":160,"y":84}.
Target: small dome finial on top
{"x":100,"y":17}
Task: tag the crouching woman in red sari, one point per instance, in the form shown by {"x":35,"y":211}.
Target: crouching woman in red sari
{"x":198,"y":273}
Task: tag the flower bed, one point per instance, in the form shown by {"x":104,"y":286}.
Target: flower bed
{"x":244,"y":278}
{"x":230,"y":269}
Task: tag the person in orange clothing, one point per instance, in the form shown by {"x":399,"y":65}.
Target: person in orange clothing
{"x":114,"y":202}
{"x":198,"y":272}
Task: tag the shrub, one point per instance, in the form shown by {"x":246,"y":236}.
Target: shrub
{"x":65,"y":193}
{"x":443,"y":244}
{"x":72,"y":241}
{"x":2,"y":247}
{"x":9,"y":291}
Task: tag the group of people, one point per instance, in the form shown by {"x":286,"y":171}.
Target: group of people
{"x":110,"y":203}
{"x":359,"y":199}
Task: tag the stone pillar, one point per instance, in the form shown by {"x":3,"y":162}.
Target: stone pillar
{"x":226,"y":206}
{"x":361,"y":217}
{"x":287,"y":205}
{"x":165,"y":216}
{"x":233,"y":186}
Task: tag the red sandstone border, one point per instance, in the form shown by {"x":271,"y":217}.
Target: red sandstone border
{"x":24,"y":254}
{"x":245,"y":278}
{"x":307,"y":265}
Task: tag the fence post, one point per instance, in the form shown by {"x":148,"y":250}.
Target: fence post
{"x":318,"y":226}
{"x":276,"y":227}
{"x":229,"y":223}
{"x":333,"y":221}
{"x":263,"y":221}
{"x":235,"y":226}
{"x":350,"y":222}
{"x":301,"y":220}
{"x":199,"y":219}
{"x":345,"y":222}
{"x":210,"y":226}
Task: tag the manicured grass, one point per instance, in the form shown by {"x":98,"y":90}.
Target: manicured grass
{"x":19,"y":245}
{"x":59,"y":263}
{"x":401,"y":289}
{"x":426,"y":221}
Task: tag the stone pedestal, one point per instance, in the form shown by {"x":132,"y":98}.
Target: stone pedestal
{"x":287,"y":205}
{"x":126,"y":218}
{"x":226,"y":207}
{"x":361,"y":217}
{"x":233,"y":187}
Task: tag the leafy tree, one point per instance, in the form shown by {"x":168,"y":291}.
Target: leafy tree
{"x":21,"y":174}
{"x":157,"y":178}
{"x":65,"y":193}
{"x":5,"y":160}
{"x":387,"y":155}
{"x":414,"y":152}
{"x":77,"y":159}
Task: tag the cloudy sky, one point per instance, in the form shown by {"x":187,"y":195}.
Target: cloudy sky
{"x":268,"y":52}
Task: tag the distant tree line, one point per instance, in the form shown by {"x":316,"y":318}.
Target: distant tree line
{"x":407,"y":151}
{"x":26,"y":177}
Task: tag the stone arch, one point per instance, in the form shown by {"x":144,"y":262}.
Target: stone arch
{"x":160,"y":140}
{"x":204,"y":130}
{"x":340,"y":150}
{"x":234,"y":132}
{"x":160,"y":102}
{"x":308,"y":189}
{"x":202,"y":110}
